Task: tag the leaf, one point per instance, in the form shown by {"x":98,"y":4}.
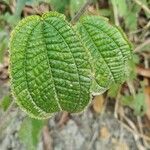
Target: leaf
{"x":29,"y":133}
{"x":13,"y":19}
{"x":3,"y":43}
{"x":129,"y":11}
{"x":98,"y":103}
{"x":19,"y":7}
{"x":5,"y":102}
{"x":75,"y":5}
{"x":121,"y":5}
{"x":59,"y":5}
{"x":105,"y":12}
{"x":131,"y":16}
{"x":109,"y":51}
{"x":132,"y":67}
{"x":113,"y":90}
{"x":137,"y":104}
{"x":49,"y":67}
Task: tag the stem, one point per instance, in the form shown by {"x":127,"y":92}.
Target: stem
{"x":142,"y":5}
{"x":80,"y":12}
{"x":140,"y":47}
{"x":115,"y":10}
{"x":4,"y":118}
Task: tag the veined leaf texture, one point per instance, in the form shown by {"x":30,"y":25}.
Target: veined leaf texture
{"x":52,"y":68}
{"x":49,"y":66}
{"x":109,"y":50}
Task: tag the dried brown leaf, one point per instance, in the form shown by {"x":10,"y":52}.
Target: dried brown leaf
{"x":98,"y":103}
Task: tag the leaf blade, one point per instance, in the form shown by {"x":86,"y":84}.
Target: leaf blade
{"x":57,"y":73}
{"x":109,"y":50}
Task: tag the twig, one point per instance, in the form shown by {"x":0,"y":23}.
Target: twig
{"x":47,"y":140}
{"x":121,"y":110}
{"x":146,"y":64}
{"x":142,"y":5}
{"x":93,"y":138}
{"x":141,"y":29}
{"x":64,"y":118}
{"x":140,"y":47}
{"x":131,"y":88}
{"x":117,"y":105}
{"x":80,"y":12}
{"x":142,"y":133}
{"x":136,"y":137}
{"x":147,"y":26}
{"x":146,"y":83}
{"x":104,"y":106}
{"x":4,"y":118}
{"x":134,"y":132}
{"x":143,"y":71}
{"x":116,"y":15}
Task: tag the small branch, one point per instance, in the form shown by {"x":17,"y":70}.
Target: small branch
{"x":134,"y":132}
{"x":80,"y":12}
{"x":143,"y":71}
{"x":131,"y":88}
{"x":146,"y":81}
{"x":117,"y":105}
{"x":47,"y":140}
{"x":133,"y":129}
{"x":64,"y":118}
{"x":146,"y":27}
{"x":104,"y":106}
{"x":95,"y":135}
{"x":142,"y":5}
{"x":132,"y":125}
{"x":4,"y":118}
{"x":115,"y":10}
{"x":142,"y":132}
{"x":140,"y":47}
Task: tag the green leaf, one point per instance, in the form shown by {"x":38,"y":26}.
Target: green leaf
{"x":113,"y":90}
{"x":5,"y":102}
{"x":75,"y":5}
{"x":19,"y":7}
{"x":131,"y":16}
{"x":132,"y":74}
{"x":3,"y":43}
{"x":129,"y":10}
{"x":29,"y":133}
{"x":49,"y":67}
{"x":109,"y":51}
{"x":59,"y":5}
{"x":105,"y":12}
{"x":137,"y":103}
{"x":13,"y":19}
{"x":121,"y":5}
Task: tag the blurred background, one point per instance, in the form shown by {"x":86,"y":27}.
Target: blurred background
{"x":119,"y":119}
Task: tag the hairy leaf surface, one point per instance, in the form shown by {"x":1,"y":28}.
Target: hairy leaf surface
{"x":49,"y":67}
{"x":109,"y":50}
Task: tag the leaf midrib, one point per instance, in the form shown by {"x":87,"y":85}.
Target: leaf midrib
{"x":99,"y":52}
{"x":49,"y":66}
{"x":25,"y":70}
{"x":77,"y":70}
{"x":110,"y":37}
